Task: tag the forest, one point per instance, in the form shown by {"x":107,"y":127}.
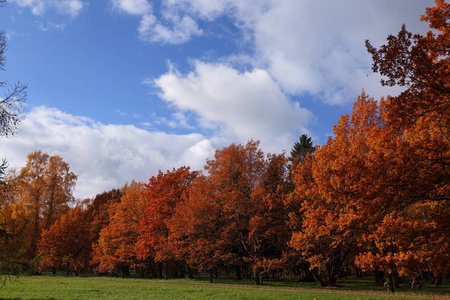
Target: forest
{"x":375,"y":199}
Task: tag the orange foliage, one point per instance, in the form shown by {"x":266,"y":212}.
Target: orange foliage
{"x":234,"y":216}
{"x":117,"y":241}
{"x":66,"y":243}
{"x":164,"y":193}
{"x":44,"y":190}
{"x":382,"y":183}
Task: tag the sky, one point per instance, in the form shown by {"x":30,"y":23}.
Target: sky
{"x":123,"y":88}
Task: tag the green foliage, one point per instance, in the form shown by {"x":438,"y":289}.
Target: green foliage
{"x":301,"y":149}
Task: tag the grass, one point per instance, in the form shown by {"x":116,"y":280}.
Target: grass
{"x":65,"y":287}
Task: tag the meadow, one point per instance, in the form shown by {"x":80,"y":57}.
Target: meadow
{"x":83,"y":287}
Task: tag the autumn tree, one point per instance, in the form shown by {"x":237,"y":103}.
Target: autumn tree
{"x":224,"y":213}
{"x":116,"y":246}
{"x":269,"y":232}
{"x":382,"y":183}
{"x":195,"y":228}
{"x":13,"y":223}
{"x":70,"y":242}
{"x":164,"y":193}
{"x":234,"y":174}
{"x":65,"y":245}
{"x":44,"y":189}
{"x":99,"y":210}
{"x":420,"y":64}
{"x":419,"y":115}
{"x":326,"y":236}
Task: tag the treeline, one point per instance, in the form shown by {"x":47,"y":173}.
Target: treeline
{"x":375,"y":198}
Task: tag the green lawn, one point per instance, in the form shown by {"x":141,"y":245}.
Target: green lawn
{"x":63,"y":287}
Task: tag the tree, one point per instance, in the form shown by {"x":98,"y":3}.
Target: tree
{"x":269,"y":232}
{"x":323,"y":238}
{"x":13,"y":223}
{"x":99,"y":210}
{"x":12,"y":99}
{"x":164,"y":192}
{"x":420,"y":64}
{"x":116,"y":246}
{"x":66,"y":243}
{"x":195,"y":228}
{"x":44,"y":188}
{"x":10,"y":116}
{"x":420,"y":117}
{"x":219,"y":209}
{"x":301,"y":149}
{"x":234,"y":174}
{"x":372,"y":190}
{"x":11,"y":102}
{"x":382,"y":183}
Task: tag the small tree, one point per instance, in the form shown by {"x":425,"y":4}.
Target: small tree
{"x":301,"y":149}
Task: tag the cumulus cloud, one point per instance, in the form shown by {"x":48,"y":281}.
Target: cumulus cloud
{"x":308,"y":47}
{"x":104,"y":156}
{"x":171,"y":28}
{"x":134,"y":7}
{"x":237,"y":105}
{"x":317,"y":47}
{"x":65,"y":7}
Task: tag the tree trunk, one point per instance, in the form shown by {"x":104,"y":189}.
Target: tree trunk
{"x":188,"y":274}
{"x":332,"y":281}
{"x":333,"y":270}
{"x":256,"y":276}
{"x":211,"y":276}
{"x":396,"y":280}
{"x":238,"y":272}
{"x":318,"y":279}
{"x":166,"y":271}
{"x":390,"y":283}
{"x":50,"y":209}
{"x":125,"y":270}
{"x":160,"y":270}
{"x":438,"y":280}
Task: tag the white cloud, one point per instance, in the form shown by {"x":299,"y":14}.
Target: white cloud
{"x":317,"y":47}
{"x":308,"y":47}
{"x":171,"y":29}
{"x":70,"y":7}
{"x":134,"y":7}
{"x":49,"y":25}
{"x":181,"y":31}
{"x":236,"y":105}
{"x":65,"y":7}
{"x":103,"y":156}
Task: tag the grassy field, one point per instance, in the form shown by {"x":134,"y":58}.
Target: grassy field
{"x":64,"y":287}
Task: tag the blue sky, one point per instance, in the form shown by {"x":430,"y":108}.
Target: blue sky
{"x":123,"y":88}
